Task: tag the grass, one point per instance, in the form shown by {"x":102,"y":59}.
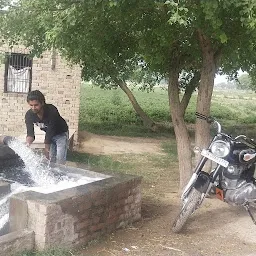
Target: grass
{"x":146,"y":165}
{"x":109,"y":112}
{"x":50,"y":252}
{"x":101,"y":162}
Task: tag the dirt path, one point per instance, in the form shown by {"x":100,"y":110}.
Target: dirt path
{"x":108,"y":145}
{"x":215,"y":229}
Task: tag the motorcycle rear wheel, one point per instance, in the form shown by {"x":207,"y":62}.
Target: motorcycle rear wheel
{"x":188,"y":208}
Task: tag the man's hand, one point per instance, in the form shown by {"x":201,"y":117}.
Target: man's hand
{"x":47,"y":154}
{"x":47,"y":151}
{"x":29,"y":140}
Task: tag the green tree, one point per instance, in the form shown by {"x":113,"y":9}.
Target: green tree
{"x":183,"y":41}
{"x":245,"y":82}
{"x":86,"y":33}
{"x":177,"y":37}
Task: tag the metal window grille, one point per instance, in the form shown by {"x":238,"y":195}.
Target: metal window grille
{"x":18,"y":73}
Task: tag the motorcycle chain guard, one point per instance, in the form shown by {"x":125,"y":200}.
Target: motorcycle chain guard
{"x":202,"y":182}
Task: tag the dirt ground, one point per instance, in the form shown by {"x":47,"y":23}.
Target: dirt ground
{"x":109,"y":145}
{"x":215,"y":229}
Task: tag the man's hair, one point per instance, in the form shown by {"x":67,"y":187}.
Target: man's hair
{"x":36,"y":95}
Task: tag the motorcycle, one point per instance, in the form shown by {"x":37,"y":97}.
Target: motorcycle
{"x":231,"y":180}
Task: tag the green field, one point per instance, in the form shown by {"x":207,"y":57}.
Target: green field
{"x":110,"y":112}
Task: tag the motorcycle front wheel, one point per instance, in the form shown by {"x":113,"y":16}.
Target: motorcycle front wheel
{"x":192,"y":200}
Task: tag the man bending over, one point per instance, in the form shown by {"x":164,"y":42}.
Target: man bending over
{"x":48,"y":119}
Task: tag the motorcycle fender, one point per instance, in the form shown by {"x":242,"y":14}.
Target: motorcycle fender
{"x":202,"y":182}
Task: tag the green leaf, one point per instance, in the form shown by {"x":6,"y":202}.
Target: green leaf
{"x":223,"y":38}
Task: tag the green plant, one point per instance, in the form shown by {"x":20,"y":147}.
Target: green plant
{"x":116,"y":98}
{"x":49,"y":252}
{"x":100,"y":162}
{"x":99,"y":113}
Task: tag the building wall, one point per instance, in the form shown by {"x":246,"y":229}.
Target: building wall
{"x":60,"y":83}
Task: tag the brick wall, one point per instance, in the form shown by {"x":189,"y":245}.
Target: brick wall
{"x":76,"y":216}
{"x":60,"y":83}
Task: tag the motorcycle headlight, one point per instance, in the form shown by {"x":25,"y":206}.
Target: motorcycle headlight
{"x":220,"y":148}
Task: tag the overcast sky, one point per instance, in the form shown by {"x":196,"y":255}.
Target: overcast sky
{"x":223,"y":79}
{"x":220,"y":79}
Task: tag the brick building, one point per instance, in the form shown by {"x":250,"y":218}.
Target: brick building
{"x":58,"y":80}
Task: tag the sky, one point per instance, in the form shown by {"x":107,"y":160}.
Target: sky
{"x":220,"y":79}
{"x":223,"y":79}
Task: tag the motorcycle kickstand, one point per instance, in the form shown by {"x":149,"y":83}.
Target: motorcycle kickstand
{"x":247,"y":208}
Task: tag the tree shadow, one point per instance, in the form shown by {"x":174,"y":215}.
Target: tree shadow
{"x":216,"y":218}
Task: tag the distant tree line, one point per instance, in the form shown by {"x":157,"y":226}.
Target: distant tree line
{"x":243,"y":82}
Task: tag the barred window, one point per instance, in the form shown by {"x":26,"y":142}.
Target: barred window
{"x":18,"y":73}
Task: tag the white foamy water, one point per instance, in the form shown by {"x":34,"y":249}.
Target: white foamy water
{"x":4,"y":206}
{"x":38,"y":168}
{"x":34,"y":164}
{"x":64,"y":184}
{"x":4,"y":220}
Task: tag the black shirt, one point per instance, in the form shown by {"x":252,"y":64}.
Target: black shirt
{"x":52,"y":123}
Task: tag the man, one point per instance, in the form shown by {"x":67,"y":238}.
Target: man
{"x":48,"y":119}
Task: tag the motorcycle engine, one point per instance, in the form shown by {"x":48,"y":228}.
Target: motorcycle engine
{"x":231,"y":175}
{"x":245,"y":192}
{"x":237,"y":169}
{"x":238,"y":183}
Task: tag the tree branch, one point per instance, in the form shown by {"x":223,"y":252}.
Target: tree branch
{"x":217,"y":56}
{"x":147,"y":121}
{"x":189,"y":90}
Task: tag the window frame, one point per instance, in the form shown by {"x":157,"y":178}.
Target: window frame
{"x":7,"y":65}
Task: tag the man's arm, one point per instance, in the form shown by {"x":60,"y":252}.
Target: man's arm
{"x":47,"y":151}
{"x":30,"y":129}
{"x":29,"y":140}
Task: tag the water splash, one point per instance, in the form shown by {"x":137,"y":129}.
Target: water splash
{"x":3,"y":220}
{"x":40,"y":172}
{"x":4,"y":204}
{"x":36,"y":165}
{"x":45,"y":178}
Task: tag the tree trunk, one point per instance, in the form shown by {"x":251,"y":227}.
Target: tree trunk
{"x":147,"y":121}
{"x":202,"y":133}
{"x":180,"y":129}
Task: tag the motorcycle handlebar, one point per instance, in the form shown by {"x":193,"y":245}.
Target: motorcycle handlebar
{"x":209,"y":120}
{"x":247,"y":141}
